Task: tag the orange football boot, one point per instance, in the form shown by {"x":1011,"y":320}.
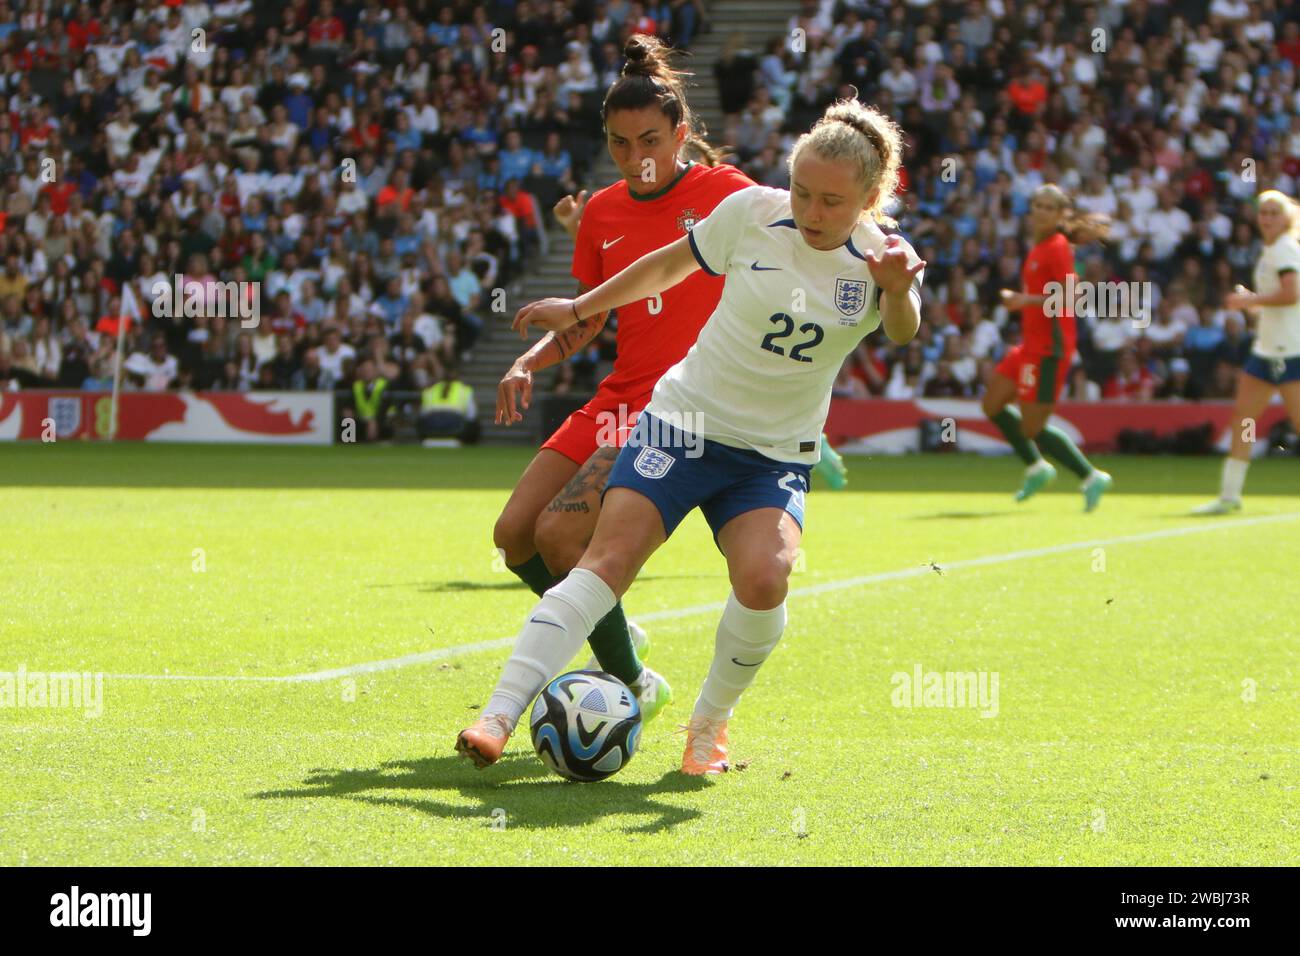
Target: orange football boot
{"x":706,"y":746}
{"x":484,"y":742}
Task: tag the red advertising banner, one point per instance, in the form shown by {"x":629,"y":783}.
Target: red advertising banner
{"x":883,"y":427}
{"x":302,"y":418}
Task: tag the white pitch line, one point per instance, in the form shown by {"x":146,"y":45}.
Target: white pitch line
{"x":424,"y":657}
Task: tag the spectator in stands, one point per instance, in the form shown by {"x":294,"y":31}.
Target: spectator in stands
{"x":157,"y":368}
{"x":848,"y":385}
{"x":47,"y":355}
{"x":1165,"y":334}
{"x":447,"y":409}
{"x":443,"y":302}
{"x":1237,"y":341}
{"x":310,"y":377}
{"x":1179,"y":386}
{"x":1131,"y":381}
{"x":368,"y":404}
{"x":1079,"y":388}
{"x":908,"y":377}
{"x":943,"y":384}
{"x":332,"y":356}
{"x":521,"y":206}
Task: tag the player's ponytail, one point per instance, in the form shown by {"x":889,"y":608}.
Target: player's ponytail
{"x":1290,"y":209}
{"x":648,"y":79}
{"x":1077,"y":228}
{"x":865,"y":137}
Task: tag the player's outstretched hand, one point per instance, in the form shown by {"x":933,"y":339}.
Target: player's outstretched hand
{"x":516,"y":389}
{"x":1011,"y":299}
{"x":569,"y":210}
{"x":894,"y":269}
{"x":1239,"y":298}
{"x":554,"y":315}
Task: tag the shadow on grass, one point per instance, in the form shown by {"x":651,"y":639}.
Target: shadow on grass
{"x":531,"y":796}
{"x":444,"y":587}
{"x":956,"y":515}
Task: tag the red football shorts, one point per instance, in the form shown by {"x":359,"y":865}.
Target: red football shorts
{"x":1039,"y":377}
{"x":593,"y":426}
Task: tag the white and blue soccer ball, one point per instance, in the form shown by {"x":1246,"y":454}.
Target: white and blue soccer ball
{"x":585,"y":725}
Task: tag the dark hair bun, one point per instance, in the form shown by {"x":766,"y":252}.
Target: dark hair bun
{"x":635,"y":49}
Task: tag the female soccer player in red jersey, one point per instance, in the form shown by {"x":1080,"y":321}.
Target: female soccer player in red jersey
{"x":1034,"y":372}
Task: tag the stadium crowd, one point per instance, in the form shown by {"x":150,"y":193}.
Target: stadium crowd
{"x":1168,"y":118}
{"x":380,"y":168}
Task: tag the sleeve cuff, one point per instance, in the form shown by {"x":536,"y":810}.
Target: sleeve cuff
{"x":695,"y":251}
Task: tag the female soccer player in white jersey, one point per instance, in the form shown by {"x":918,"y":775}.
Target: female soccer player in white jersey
{"x":733,"y":428}
{"x":1274,"y":362}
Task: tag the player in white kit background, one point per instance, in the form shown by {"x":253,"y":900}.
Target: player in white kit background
{"x":1274,"y":363}
{"x":734,"y":427}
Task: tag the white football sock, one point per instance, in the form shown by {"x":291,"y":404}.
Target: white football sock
{"x":1234,"y":478}
{"x":555,"y":630}
{"x":745,"y":639}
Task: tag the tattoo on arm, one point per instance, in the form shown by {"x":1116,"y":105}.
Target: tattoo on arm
{"x":575,"y":337}
{"x":572,"y":339}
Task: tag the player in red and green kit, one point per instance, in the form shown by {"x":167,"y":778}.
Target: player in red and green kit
{"x":1034,"y":372}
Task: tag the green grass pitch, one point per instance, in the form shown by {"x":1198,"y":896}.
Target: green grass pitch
{"x":1147,"y":667}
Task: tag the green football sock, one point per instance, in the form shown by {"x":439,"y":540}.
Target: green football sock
{"x":611,"y":642}
{"x":1058,"y":444}
{"x":536,"y":575}
{"x":1008,"y":422}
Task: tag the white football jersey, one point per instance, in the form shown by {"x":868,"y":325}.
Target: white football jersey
{"x":760,"y":374}
{"x":1278,"y":335}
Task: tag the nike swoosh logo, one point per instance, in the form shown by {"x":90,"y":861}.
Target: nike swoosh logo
{"x":743,"y":664}
{"x":606,"y":245}
{"x":583,"y":738}
{"x":757,"y":268}
{"x":533,"y":620}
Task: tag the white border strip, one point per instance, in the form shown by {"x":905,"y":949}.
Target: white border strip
{"x":442,"y":653}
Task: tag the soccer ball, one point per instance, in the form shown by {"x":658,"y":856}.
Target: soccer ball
{"x":585,"y":725}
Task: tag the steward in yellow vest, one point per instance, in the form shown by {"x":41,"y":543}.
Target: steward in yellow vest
{"x":447,"y":409}
{"x":370,"y":406}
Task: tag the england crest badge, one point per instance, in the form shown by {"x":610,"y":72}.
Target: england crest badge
{"x":66,"y":414}
{"x":850,"y":298}
{"x":652,"y":463}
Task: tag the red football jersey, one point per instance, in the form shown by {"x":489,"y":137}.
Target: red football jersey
{"x":1049,"y":261}
{"x":616,"y":230}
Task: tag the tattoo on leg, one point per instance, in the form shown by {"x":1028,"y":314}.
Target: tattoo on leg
{"x":591,"y":477}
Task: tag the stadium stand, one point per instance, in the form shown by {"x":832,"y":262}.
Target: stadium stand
{"x":381,"y":169}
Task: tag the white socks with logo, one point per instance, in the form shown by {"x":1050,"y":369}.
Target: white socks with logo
{"x":554,"y":632}
{"x":745,"y":639}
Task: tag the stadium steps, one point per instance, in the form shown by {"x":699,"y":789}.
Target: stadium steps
{"x":758,"y":21}
{"x":498,"y":346}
